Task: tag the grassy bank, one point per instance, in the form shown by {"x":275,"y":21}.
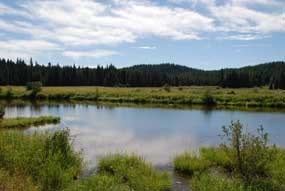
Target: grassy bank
{"x":250,"y":97}
{"x":123,"y":173}
{"x":22,"y":122}
{"x":244,"y":162}
{"x":47,"y":162}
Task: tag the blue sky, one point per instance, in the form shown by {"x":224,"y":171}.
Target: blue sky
{"x":206,"y":34}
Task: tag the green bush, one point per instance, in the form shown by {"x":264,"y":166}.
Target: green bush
{"x":34,"y":87}
{"x":167,"y":88}
{"x":249,"y":153}
{"x":208,"y":99}
{"x":244,"y":161}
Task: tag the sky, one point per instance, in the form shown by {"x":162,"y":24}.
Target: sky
{"x":205,"y":34}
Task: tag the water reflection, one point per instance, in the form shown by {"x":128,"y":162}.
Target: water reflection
{"x":155,"y":133}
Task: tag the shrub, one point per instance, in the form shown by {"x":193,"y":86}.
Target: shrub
{"x":208,"y":99}
{"x":167,"y":88}
{"x":2,"y":111}
{"x":249,"y":153}
{"x":34,"y":87}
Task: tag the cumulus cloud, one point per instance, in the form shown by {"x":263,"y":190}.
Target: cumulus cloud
{"x":79,"y":24}
{"x":25,"y":48}
{"x":90,"y":54}
{"x":147,"y":47}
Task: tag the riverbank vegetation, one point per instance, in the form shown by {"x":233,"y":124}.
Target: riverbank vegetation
{"x":243,"y":162}
{"x":123,"y":173}
{"x":47,"y":162}
{"x":25,"y":122}
{"x":194,"y":95}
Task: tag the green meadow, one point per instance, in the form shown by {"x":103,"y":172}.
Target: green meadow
{"x":190,"y":95}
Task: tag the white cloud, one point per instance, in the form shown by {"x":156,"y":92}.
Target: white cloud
{"x":85,"y":24}
{"x":25,"y":48}
{"x":147,"y":47}
{"x":90,"y":54}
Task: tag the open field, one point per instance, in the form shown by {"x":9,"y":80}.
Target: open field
{"x":194,"y":95}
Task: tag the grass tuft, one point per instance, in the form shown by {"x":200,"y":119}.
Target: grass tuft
{"x":22,"y":122}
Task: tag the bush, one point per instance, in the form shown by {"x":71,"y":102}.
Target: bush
{"x":166,"y":88}
{"x":208,"y":99}
{"x":34,"y":87}
{"x":250,"y":154}
{"x":2,"y":111}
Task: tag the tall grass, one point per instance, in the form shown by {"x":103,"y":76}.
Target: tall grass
{"x":248,"y":97}
{"x":22,"y":122}
{"x":124,"y":173}
{"x":47,"y":158}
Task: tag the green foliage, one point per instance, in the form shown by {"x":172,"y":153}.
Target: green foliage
{"x":15,"y":182}
{"x":99,"y":183}
{"x":47,"y":158}
{"x":270,"y":74}
{"x":189,"y":164}
{"x":34,"y":87}
{"x":216,"y":157}
{"x":22,"y":122}
{"x":244,"y":162}
{"x":134,"y":172}
{"x":189,"y":95}
{"x":206,"y":182}
{"x":208,"y":99}
{"x":250,"y":154}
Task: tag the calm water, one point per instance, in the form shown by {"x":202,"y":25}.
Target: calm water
{"x":155,"y":133}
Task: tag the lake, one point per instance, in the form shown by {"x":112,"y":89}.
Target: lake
{"x":157,"y":134}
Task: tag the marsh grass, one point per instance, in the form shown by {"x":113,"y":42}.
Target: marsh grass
{"x":123,"y":172}
{"x":15,"y":182}
{"x":248,"y":97}
{"x":47,"y":159}
{"x":243,"y":162}
{"x":22,"y":122}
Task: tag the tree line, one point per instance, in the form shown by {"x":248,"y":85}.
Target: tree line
{"x":20,"y":73}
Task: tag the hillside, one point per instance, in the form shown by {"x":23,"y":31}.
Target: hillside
{"x":268,"y":74}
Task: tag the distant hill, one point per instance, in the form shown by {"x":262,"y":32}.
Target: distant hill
{"x":19,"y":73}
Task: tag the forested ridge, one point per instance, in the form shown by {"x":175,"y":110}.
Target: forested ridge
{"x":20,"y":73}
